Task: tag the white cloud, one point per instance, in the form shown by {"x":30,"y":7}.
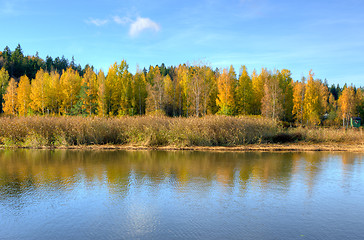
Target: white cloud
{"x":122,"y":21}
{"x":142,"y":24}
{"x":97,"y":22}
{"x":135,"y":26}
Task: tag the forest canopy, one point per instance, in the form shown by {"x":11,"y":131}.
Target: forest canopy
{"x":30,"y":85}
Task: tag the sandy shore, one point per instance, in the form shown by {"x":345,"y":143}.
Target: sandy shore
{"x":289,"y":147}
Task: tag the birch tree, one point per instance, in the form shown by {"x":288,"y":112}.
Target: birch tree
{"x":23,"y":96}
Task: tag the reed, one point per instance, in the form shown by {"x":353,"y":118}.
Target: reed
{"x":48,"y":131}
{"x":37,"y":131}
{"x":329,"y":135}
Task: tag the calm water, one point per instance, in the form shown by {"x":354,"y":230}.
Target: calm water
{"x":67,"y":194}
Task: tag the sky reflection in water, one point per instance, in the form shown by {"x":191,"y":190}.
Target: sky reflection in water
{"x":66,"y":194}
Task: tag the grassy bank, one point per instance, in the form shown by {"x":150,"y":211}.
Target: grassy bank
{"x":149,"y":131}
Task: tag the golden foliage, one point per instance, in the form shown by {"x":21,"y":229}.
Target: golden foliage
{"x":10,"y":98}
{"x":23,"y":97}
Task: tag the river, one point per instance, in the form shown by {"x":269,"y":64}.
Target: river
{"x":77,"y":194}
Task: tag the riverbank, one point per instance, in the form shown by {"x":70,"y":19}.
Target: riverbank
{"x":210,"y":133}
{"x":287,"y":147}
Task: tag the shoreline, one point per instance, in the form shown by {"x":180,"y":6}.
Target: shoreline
{"x":266,"y":147}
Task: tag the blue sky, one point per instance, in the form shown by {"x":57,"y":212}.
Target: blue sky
{"x":326,"y":36}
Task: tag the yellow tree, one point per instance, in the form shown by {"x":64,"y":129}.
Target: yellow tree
{"x":331,"y":110}
{"x":89,"y":84}
{"x":359,"y":99}
{"x":210,"y":93}
{"x":315,"y":102}
{"x":154,"y":101}
{"x":298,"y":100}
{"x":244,"y":93}
{"x":311,"y":101}
{"x":10,"y":98}
{"x":4,"y":81}
{"x":139,"y":92}
{"x":225,"y":96}
{"x":199,"y":89}
{"x":234,"y":84}
{"x":102,"y":107}
{"x":118,"y":81}
{"x":347,"y":105}
{"x":54,"y":93}
{"x":23,"y":96}
{"x":286,"y":84}
{"x":110,"y":84}
{"x":258,"y":82}
{"x":271,"y":101}
{"x":71,"y":85}
{"x":182,"y":94}
{"x":38,"y":91}
{"x":168,"y":103}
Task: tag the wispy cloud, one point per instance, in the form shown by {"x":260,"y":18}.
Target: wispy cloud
{"x":142,"y":24}
{"x":136,"y":26}
{"x":122,"y":21}
{"x":97,"y":22}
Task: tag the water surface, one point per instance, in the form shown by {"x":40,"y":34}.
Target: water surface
{"x":68,"y":194}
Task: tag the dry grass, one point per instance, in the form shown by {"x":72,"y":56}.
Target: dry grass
{"x":330,"y":135}
{"x":154,"y":131}
{"x":39,"y":131}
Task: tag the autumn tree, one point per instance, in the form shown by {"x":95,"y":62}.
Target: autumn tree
{"x":244,"y":93}
{"x":89,"y":85}
{"x":331,"y":110}
{"x":225,"y":97}
{"x":155,"y":89}
{"x":70,"y":85}
{"x":23,"y":96}
{"x":102,"y":108}
{"x":10,"y":98}
{"x":347,"y":105}
{"x":54,"y":93}
{"x":299,"y":89}
{"x":168,"y":100}
{"x":258,"y":82}
{"x":199,"y":89}
{"x":4,"y":81}
{"x":210,"y":92}
{"x":110,"y":81}
{"x":360,"y":102}
{"x":182,"y":94}
{"x":271,"y":101}
{"x":118,"y":85}
{"x":286,"y":85}
{"x":38,"y":92}
{"x":315,"y":101}
{"x":139,"y":92}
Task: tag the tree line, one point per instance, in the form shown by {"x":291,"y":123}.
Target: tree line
{"x":184,"y":90}
{"x":17,"y":64}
